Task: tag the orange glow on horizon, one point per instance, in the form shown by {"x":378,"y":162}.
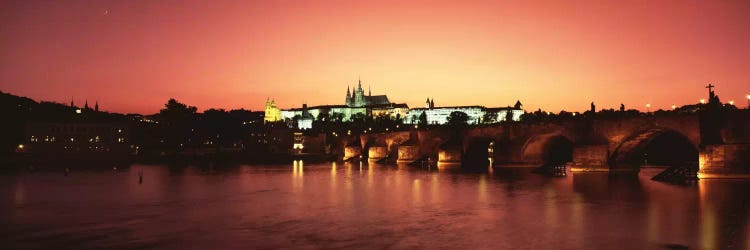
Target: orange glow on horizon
{"x":132,"y":56}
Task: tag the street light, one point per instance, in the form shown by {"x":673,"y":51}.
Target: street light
{"x":648,"y":107}
{"x":703,"y":101}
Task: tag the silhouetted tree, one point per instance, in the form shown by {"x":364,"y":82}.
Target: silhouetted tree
{"x":176,"y":123}
{"x":489,"y":117}
{"x":324,"y":116}
{"x":221,"y":127}
{"x":423,"y":119}
{"x":383,"y":121}
{"x":175,"y":111}
{"x":508,"y":116}
{"x":458,"y":118}
{"x":357,"y":118}
{"x":337,"y":117}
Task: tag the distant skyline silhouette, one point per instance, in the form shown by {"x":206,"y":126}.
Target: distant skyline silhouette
{"x":132,"y":56}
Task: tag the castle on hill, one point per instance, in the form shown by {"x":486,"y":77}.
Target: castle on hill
{"x":357,"y":98}
{"x":357,"y":103}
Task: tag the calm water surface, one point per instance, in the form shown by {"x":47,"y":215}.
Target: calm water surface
{"x":377,"y":206}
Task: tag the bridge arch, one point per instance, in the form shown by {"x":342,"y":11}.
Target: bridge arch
{"x":655,"y":146}
{"x":479,"y":152}
{"x":548,"y":148}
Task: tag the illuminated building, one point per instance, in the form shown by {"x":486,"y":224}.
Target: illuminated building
{"x":299,"y":143}
{"x":358,"y":99}
{"x":77,"y":138}
{"x":272,"y":113}
{"x":394,"y":110}
{"x":439,"y":115}
{"x":306,"y":119}
{"x":356,"y":103}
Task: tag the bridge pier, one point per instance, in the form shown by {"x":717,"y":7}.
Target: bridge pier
{"x":449,"y":155}
{"x":408,"y":153}
{"x":352,"y":152}
{"x":724,"y":161}
{"x":590,"y":158}
{"x":376,"y":153}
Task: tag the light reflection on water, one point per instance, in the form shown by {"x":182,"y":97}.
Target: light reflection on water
{"x":345,"y":205}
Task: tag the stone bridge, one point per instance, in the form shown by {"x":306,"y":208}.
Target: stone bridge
{"x":720,"y":148}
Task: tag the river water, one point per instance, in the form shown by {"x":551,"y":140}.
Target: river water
{"x":359,"y":206}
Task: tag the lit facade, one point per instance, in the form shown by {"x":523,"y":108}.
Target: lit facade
{"x":477,"y":114}
{"x":440,"y":115}
{"x":358,"y":103}
{"x":272,"y":113}
{"x":67,"y":138}
{"x":357,"y":98}
{"x":394,"y":110}
{"x":306,"y":119}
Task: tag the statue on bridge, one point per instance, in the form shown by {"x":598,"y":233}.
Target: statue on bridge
{"x":713,"y":99}
{"x":593,"y":107}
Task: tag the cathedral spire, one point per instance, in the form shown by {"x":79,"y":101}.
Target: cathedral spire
{"x":369,"y":90}
{"x":96,"y":106}
{"x":71,"y":102}
{"x":348,"y":99}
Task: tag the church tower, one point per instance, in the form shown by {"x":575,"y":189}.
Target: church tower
{"x":272,"y":113}
{"x":359,"y":96}
{"x":348,"y":101}
{"x":430,"y":104}
{"x":96,"y":106}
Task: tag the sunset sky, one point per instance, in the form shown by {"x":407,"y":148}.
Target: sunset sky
{"x":132,"y":56}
